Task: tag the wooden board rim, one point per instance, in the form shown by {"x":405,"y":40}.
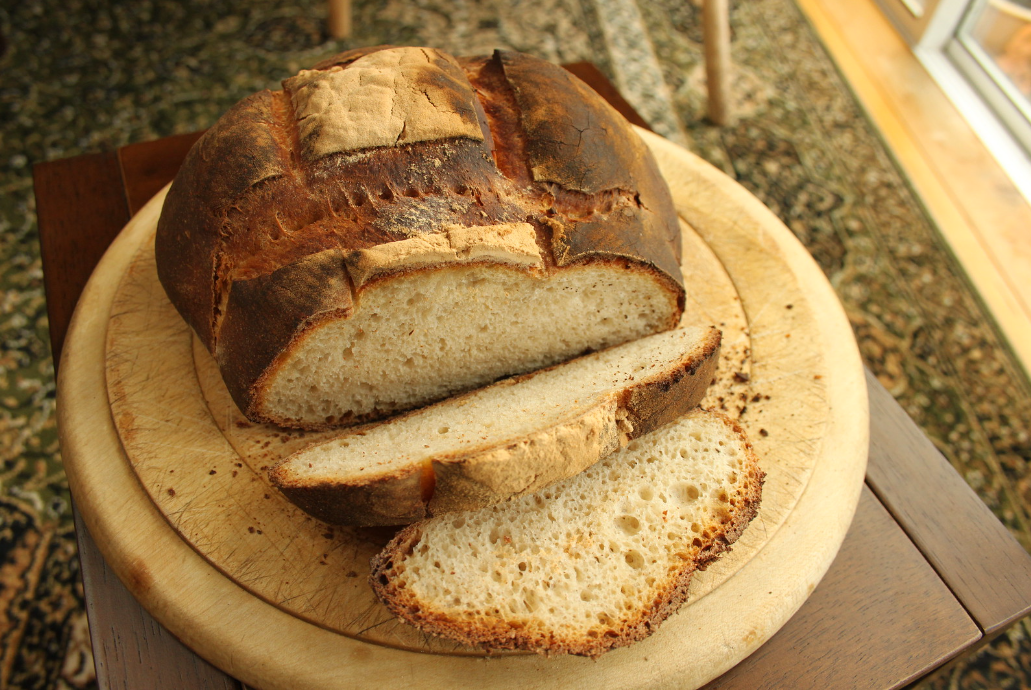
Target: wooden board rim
{"x":158,"y":567}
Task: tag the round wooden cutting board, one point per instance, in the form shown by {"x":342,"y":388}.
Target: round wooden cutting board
{"x":171,"y":479}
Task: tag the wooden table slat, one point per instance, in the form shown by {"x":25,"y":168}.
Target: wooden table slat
{"x":149,"y":166}
{"x":80,"y":202}
{"x":984,"y":565}
{"x":912,"y":626}
{"x":130,"y":649}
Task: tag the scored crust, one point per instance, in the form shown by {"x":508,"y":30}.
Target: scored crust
{"x":460,"y":167}
{"x":496,"y":633}
{"x":472,"y":477}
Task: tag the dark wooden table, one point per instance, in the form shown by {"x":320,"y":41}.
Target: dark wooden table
{"x":925,"y":574}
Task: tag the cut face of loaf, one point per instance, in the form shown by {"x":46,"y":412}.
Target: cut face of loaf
{"x":512,"y":438}
{"x":435,"y":333}
{"x":397,"y":225}
{"x":594,"y":562}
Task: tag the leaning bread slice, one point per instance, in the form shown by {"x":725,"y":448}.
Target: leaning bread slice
{"x":594,"y":562}
{"x":511,"y":438}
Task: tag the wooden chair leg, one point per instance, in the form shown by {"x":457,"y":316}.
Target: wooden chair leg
{"x":716,"y":32}
{"x":340,"y":18}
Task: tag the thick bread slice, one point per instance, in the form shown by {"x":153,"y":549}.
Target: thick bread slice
{"x":511,"y":438}
{"x":591,"y":563}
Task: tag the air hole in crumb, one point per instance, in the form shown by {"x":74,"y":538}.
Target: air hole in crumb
{"x":634,"y":559}
{"x":629,"y":524}
{"x":443,"y":430}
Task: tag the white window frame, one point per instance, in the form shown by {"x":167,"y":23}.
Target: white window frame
{"x":964,"y":72}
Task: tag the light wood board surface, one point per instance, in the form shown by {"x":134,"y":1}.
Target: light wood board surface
{"x":170,"y":478}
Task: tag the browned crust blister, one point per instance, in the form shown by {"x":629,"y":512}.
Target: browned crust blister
{"x":494,"y":634}
{"x":262,"y":196}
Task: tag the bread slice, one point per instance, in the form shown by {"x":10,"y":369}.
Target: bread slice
{"x":511,"y":438}
{"x":591,"y":563}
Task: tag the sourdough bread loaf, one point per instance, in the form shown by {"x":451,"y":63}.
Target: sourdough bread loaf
{"x":593,"y":562}
{"x":397,"y":225}
{"x":511,"y":438}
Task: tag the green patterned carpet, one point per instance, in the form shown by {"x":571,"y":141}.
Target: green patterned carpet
{"x":96,"y":75}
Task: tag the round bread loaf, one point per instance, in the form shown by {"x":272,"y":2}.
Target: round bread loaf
{"x":397,"y":225}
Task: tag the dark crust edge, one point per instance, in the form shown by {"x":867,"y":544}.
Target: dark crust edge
{"x":681,"y":389}
{"x":493,"y":635}
{"x":648,"y":404}
{"x":388,"y":500}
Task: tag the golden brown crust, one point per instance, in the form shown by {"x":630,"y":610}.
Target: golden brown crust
{"x":648,"y":406}
{"x":585,"y":147}
{"x":213,"y":175}
{"x":249,"y":202}
{"x":496,"y":634}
